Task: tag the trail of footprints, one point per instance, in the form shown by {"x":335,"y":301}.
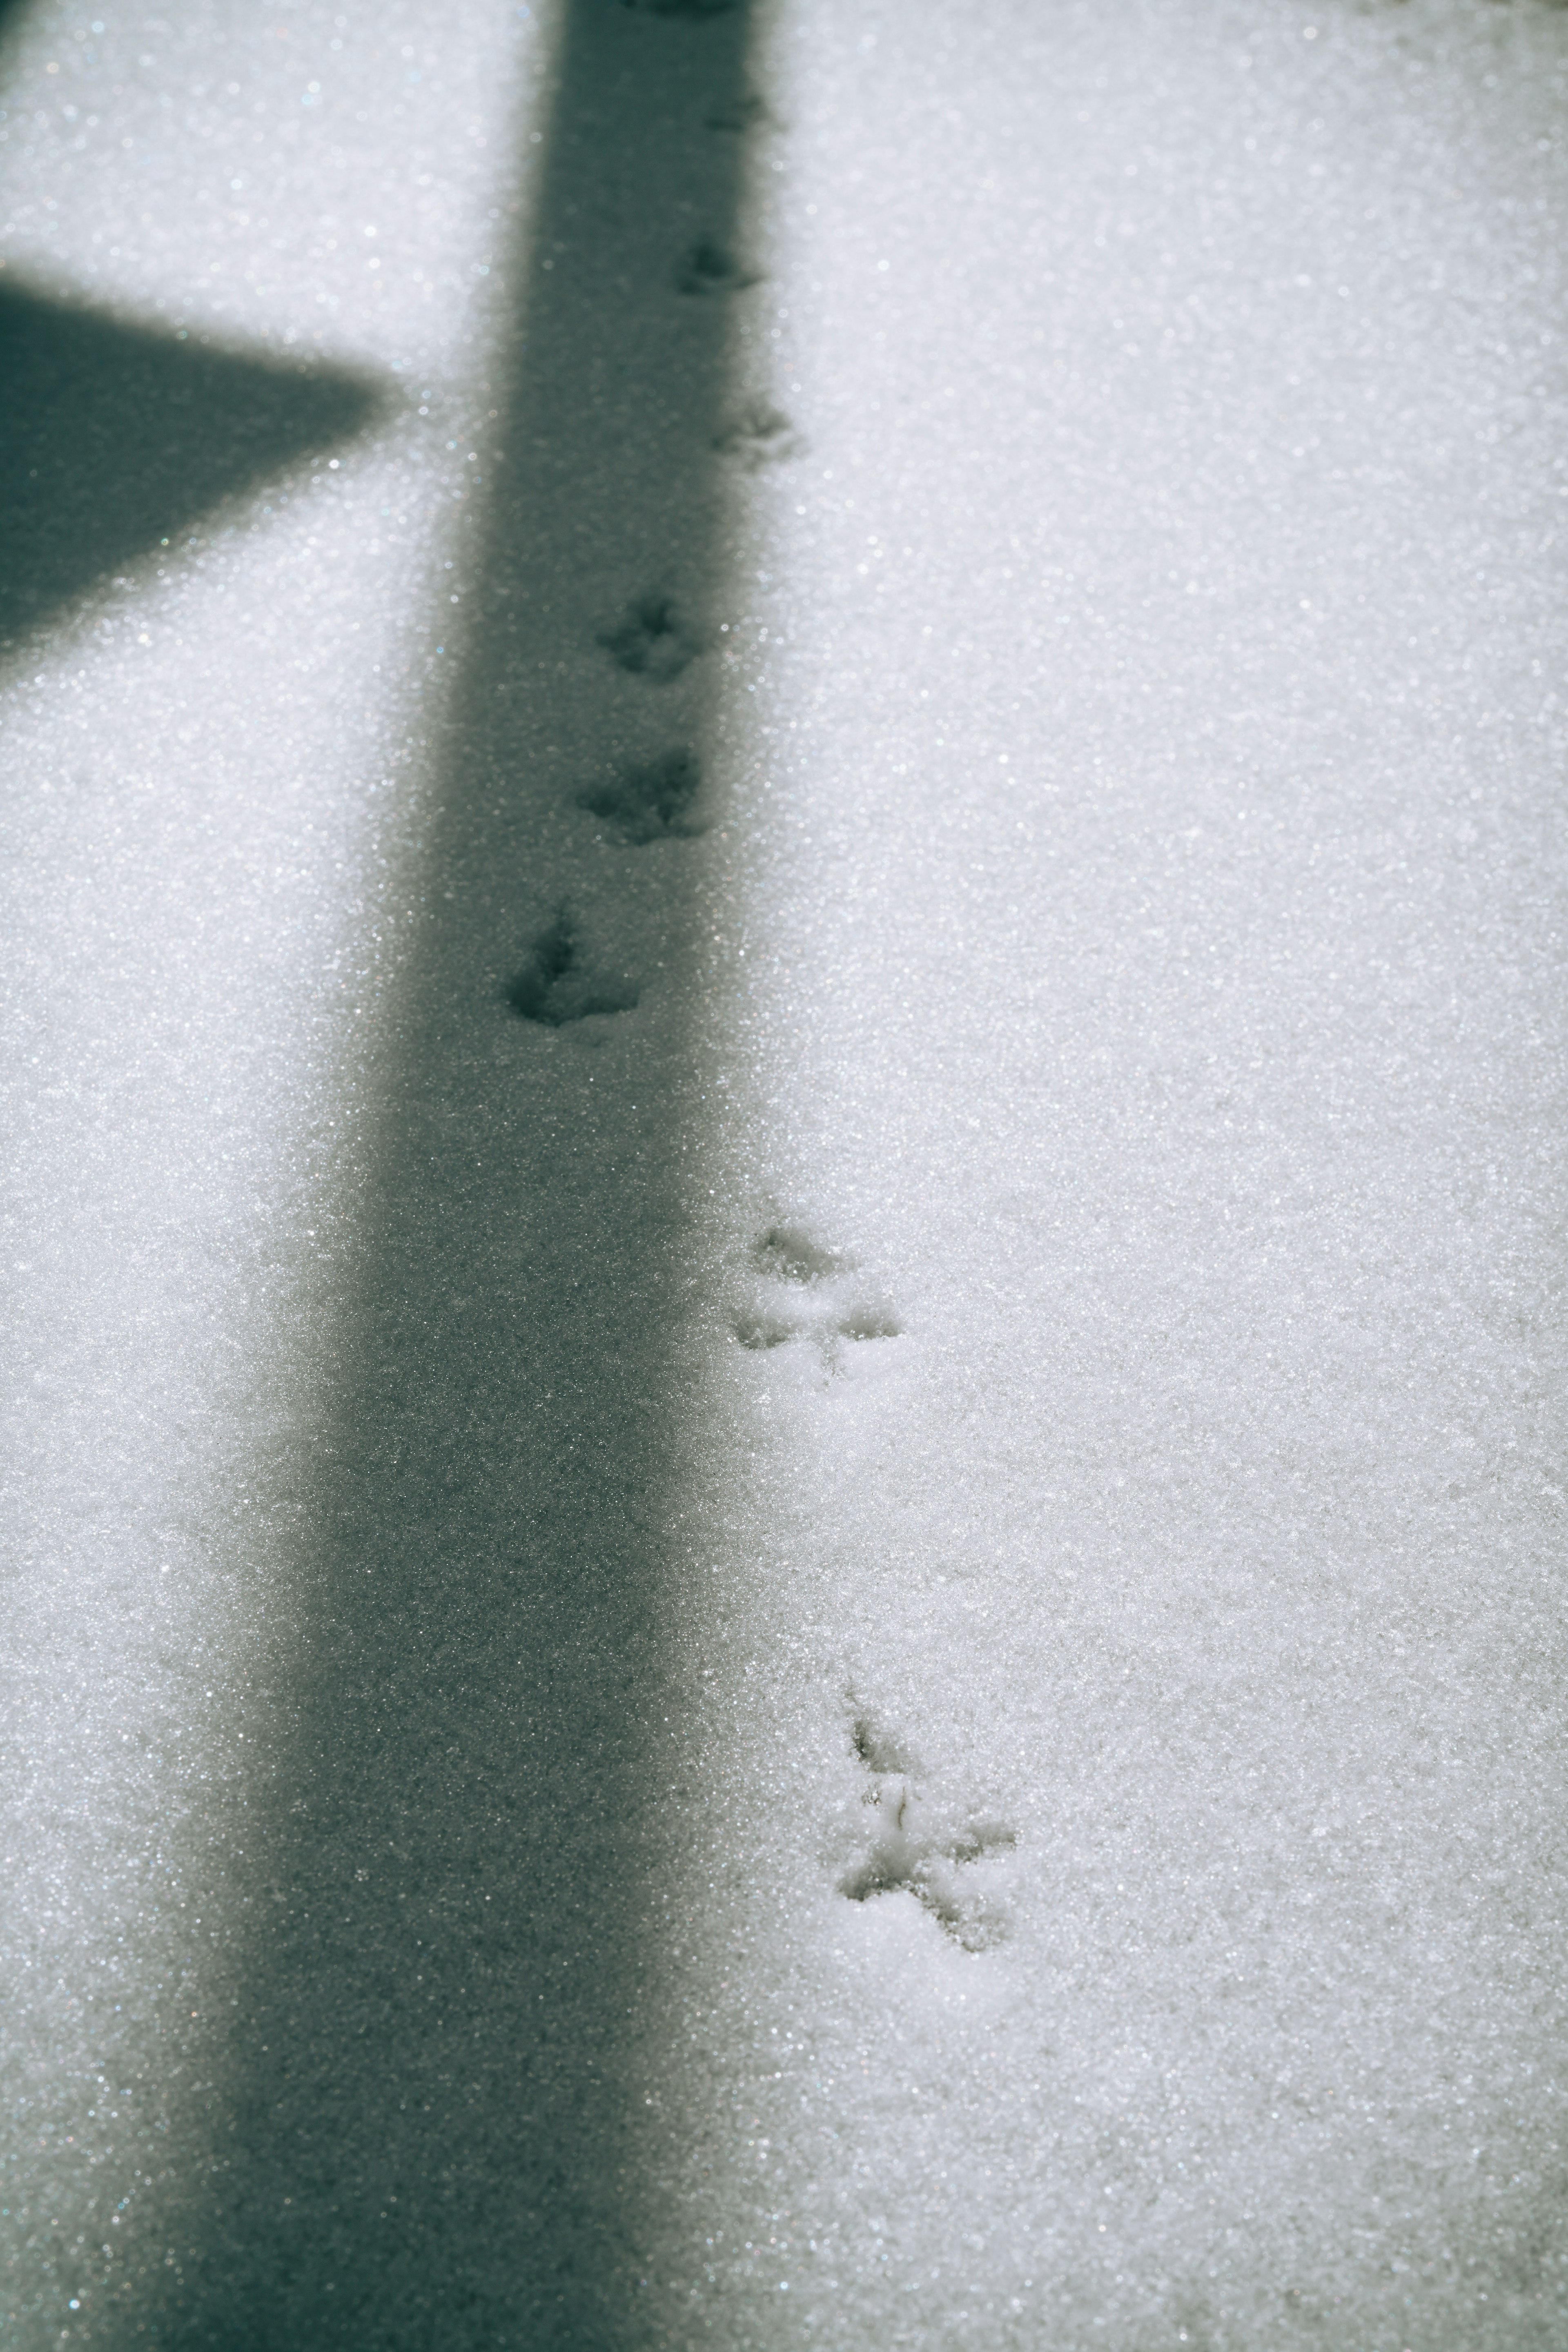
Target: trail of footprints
{"x":921,"y":1846}
{"x":561,"y":979}
{"x":807,"y":1293}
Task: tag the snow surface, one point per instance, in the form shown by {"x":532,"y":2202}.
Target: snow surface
{"x":787,"y":1022}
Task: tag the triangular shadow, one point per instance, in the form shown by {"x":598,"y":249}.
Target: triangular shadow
{"x":116,"y":437}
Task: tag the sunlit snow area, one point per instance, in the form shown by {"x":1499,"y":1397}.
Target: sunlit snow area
{"x":786,"y":997}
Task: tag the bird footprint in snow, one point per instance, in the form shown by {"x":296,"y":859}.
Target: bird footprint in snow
{"x":651,"y":640}
{"x":559,"y":982}
{"x":812,"y":1292}
{"x":919,"y":1848}
{"x":650,"y":803}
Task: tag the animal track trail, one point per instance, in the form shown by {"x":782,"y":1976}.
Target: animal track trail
{"x":709,"y":268}
{"x":919,"y":1849}
{"x":653,"y":802}
{"x":808,"y":1292}
{"x":759,"y":435}
{"x":652,"y":640}
{"x":559,"y":982}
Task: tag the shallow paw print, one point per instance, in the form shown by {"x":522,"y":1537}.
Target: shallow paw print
{"x":759,"y":435}
{"x":814,"y":1294}
{"x":652,"y":802}
{"x":710,"y":268}
{"x":559,"y":982}
{"x":919,"y":1848}
{"x":651,"y":640}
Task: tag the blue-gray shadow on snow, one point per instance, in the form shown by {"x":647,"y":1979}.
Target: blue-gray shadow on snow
{"x":116,"y":437}
{"x":433,"y":2128}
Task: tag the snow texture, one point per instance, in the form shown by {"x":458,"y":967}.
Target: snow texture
{"x":785,"y":1044}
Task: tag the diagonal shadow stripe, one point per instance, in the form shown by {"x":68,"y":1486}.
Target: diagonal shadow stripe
{"x":117,"y":437}
{"x":438,"y":2129}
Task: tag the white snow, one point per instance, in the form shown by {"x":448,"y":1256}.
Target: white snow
{"x":788,"y":1390}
